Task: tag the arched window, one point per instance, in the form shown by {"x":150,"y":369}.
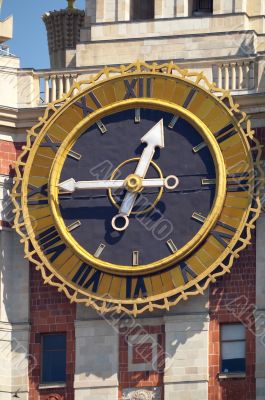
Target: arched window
{"x":202,"y":7}
{"x":142,"y":9}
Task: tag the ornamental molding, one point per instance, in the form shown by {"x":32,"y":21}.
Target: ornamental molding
{"x":54,"y":397}
{"x":63,"y":28}
{"x":141,"y":394}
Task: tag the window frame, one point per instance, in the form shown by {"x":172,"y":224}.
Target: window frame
{"x":132,"y":19}
{"x":232,"y":341}
{"x":196,"y":11}
{"x":42,"y":382}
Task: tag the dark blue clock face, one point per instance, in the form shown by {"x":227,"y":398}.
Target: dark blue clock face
{"x":169,"y":225}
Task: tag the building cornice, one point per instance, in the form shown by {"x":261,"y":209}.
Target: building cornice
{"x":19,"y":118}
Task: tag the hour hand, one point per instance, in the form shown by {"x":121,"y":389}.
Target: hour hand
{"x":120,"y":221}
{"x":70,"y":185}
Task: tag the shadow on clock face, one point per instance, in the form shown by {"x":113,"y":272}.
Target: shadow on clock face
{"x":148,"y":231}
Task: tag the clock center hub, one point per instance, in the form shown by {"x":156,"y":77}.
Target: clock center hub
{"x":133,"y":183}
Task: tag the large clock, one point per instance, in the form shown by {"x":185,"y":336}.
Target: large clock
{"x":138,"y":188}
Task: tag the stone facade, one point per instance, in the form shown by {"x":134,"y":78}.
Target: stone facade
{"x":111,"y":35}
{"x":186,"y":371}
{"x":97,"y":355}
{"x":14,"y":317}
{"x":179,"y":339}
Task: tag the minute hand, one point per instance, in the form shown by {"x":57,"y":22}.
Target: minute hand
{"x":153,"y":138}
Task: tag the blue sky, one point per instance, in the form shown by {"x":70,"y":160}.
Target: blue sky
{"x":29,"y":40}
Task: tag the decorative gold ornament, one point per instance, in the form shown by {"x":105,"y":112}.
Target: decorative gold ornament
{"x":159,"y":195}
{"x":84,"y":277}
{"x":133,"y":183}
{"x":71,"y":4}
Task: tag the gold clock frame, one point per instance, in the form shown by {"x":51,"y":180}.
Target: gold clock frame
{"x":183,"y":251}
{"x":169,"y":297}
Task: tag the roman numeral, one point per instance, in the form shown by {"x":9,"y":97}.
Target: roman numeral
{"x":130,"y":88}
{"x":185,"y":105}
{"x":238,"y":182}
{"x":48,"y":240}
{"x":221,"y":135}
{"x":50,"y":144}
{"x":219,"y":236}
{"x":225,"y":133}
{"x":41,"y":190}
{"x":140,"y":288}
{"x":235,"y":182}
{"x":83,"y":104}
{"x":189,"y":98}
{"x":85,"y":279}
{"x":54,"y":146}
{"x":82,"y":274}
{"x":95,"y":99}
{"x":87,"y":110}
{"x":186,"y":270}
{"x":144,"y":90}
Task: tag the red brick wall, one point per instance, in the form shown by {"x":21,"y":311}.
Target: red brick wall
{"x":50,"y":312}
{"x":141,"y":353}
{"x":9,"y":152}
{"x":232,"y":299}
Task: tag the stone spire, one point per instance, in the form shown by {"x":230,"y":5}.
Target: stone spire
{"x":63,"y":31}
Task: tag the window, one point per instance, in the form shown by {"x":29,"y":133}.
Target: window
{"x":142,"y":9}
{"x":53,"y":368}
{"x":202,"y":7}
{"x":233,"y":348}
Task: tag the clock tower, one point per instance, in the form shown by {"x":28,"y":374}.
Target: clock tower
{"x":137,"y":197}
{"x":136,"y":251}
